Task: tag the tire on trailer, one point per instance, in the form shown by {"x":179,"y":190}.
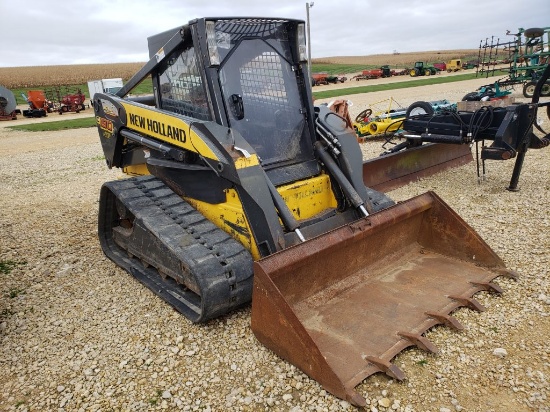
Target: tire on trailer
{"x":529,"y":89}
{"x":419,"y":108}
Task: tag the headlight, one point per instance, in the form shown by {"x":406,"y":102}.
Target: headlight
{"x":301,"y":39}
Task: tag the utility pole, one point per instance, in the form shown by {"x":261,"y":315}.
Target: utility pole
{"x":308,"y":6}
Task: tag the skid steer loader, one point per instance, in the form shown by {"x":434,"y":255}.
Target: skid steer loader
{"x":242,"y":190}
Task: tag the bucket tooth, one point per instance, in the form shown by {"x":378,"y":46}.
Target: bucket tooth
{"x":469,"y":302}
{"x":420,"y":341}
{"x":489,"y":286}
{"x":355,"y":399}
{"x":388,"y":368}
{"x":447,"y":320}
{"x":511,"y":274}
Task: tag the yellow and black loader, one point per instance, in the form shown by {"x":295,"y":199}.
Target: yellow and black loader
{"x":241,"y":189}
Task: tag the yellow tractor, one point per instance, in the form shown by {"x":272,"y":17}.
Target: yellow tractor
{"x":241,"y":189}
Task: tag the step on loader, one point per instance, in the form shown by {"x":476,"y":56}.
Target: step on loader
{"x":241,"y":189}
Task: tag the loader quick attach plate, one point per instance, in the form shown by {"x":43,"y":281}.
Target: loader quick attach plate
{"x":343,"y":305}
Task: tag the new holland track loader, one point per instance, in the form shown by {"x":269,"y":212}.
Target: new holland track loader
{"x":242,"y":190}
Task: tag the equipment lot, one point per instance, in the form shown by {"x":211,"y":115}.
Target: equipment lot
{"x":77,"y":332}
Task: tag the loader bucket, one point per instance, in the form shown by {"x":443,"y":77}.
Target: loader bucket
{"x":341,"y":306}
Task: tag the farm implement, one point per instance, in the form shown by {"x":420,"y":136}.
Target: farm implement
{"x":488,"y":92}
{"x":510,"y":129}
{"x":383,"y":71}
{"x":65,"y":99}
{"x":375,"y":121}
{"x":39,"y":105}
{"x":454,"y":65}
{"x":318,"y":79}
{"x":393,"y":170}
{"x":526,"y":58}
{"x":8,"y":105}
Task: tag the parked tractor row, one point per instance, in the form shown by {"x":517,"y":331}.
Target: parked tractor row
{"x":419,"y":69}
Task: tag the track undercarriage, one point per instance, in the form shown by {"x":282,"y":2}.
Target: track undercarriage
{"x":171,"y":248}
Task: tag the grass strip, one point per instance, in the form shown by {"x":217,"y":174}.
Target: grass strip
{"x":56,"y":125}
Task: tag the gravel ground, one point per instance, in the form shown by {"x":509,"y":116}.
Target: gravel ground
{"x":79,"y":334}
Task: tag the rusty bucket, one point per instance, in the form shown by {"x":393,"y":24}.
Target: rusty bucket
{"x":341,"y":306}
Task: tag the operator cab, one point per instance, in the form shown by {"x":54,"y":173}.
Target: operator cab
{"x":247,"y":74}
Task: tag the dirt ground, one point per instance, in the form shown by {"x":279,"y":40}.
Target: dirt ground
{"x":79,"y":334}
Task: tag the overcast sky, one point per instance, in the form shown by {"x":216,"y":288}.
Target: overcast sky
{"x":51,"y":32}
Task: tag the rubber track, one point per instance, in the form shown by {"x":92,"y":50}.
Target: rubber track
{"x":171,"y":238}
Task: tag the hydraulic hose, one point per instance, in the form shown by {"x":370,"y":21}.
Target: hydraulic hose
{"x":347,"y":187}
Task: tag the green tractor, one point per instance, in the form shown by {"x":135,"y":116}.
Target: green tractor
{"x":423,"y":69}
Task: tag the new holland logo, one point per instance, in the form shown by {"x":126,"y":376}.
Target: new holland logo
{"x":150,"y":125}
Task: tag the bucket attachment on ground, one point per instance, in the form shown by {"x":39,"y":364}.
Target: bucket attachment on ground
{"x":341,"y":306}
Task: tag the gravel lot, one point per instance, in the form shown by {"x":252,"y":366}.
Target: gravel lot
{"x":79,"y":334}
